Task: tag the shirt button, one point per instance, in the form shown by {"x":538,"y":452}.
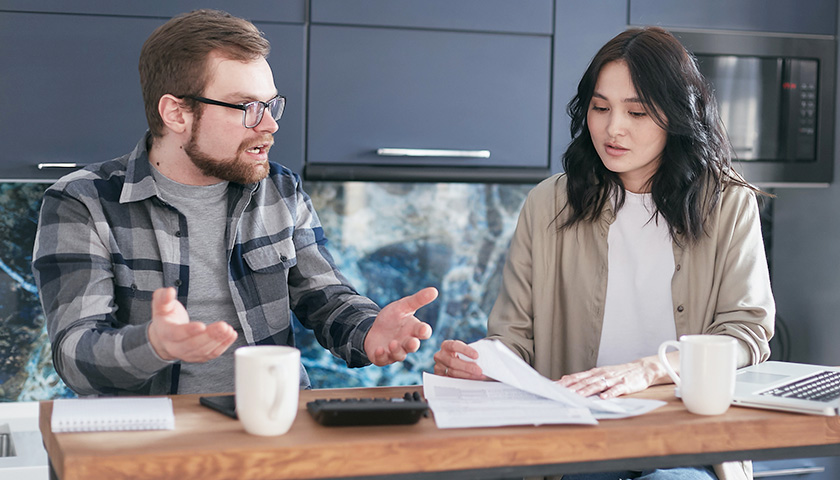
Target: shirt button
{"x":283,"y":258}
{"x":680,"y":308}
{"x":178,"y":234}
{"x":178,"y":284}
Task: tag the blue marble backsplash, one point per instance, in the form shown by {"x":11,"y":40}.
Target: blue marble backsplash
{"x":389,"y":239}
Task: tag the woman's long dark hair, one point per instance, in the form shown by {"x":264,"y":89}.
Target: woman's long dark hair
{"x":696,"y":163}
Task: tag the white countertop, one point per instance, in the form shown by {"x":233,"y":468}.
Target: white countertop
{"x":30,"y":459}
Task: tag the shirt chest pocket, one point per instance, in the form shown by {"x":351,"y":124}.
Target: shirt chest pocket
{"x":266,"y":288}
{"x":274,"y":258}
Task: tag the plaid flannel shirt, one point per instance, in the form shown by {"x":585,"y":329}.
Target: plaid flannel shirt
{"x":106,"y":241}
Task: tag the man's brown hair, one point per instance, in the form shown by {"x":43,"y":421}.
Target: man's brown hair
{"x":174,"y":57}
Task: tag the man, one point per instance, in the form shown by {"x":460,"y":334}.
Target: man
{"x":153,"y":267}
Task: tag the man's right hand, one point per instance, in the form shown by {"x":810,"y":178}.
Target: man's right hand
{"x":175,"y":337}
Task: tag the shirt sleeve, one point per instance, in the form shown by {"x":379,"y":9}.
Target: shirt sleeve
{"x":321,"y":297}
{"x":92,"y":352}
{"x":745,"y":308}
{"x":511,"y":319}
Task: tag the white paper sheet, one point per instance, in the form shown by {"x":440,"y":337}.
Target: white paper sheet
{"x":499,"y":363}
{"x":459,"y":403}
{"x":520,"y":397}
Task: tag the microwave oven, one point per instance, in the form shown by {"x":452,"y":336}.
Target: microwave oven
{"x":775,"y":94}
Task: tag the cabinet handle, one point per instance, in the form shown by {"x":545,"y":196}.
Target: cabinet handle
{"x":788,"y":471}
{"x":42,"y":166}
{"x":431,"y":152}
{"x":5,"y":447}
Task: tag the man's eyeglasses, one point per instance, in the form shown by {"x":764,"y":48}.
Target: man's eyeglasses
{"x":252,"y":112}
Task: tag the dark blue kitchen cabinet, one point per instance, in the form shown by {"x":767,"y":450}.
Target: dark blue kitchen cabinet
{"x":70,"y":91}
{"x":429,"y":90}
{"x":784,"y":16}
{"x":286,"y":11}
{"x":504,"y":16}
{"x":798,"y":469}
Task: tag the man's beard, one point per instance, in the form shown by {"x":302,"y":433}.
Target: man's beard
{"x":234,"y":169}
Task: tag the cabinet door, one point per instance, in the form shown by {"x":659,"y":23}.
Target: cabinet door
{"x":70,"y":91}
{"x":375,"y":88}
{"x":508,"y":16}
{"x":794,"y":469}
{"x":255,"y":10}
{"x":786,"y":16}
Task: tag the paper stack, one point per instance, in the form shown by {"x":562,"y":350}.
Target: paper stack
{"x":520,"y":396}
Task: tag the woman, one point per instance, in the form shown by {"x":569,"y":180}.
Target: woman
{"x":648,"y":235}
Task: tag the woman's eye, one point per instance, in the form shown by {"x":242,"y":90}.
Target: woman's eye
{"x":596,"y":108}
{"x":638,"y":114}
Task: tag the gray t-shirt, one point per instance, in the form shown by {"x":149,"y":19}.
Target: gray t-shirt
{"x":209,"y":299}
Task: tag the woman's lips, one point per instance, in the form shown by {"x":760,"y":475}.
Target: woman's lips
{"x":613,"y":149}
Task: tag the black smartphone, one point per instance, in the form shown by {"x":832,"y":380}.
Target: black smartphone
{"x":221,"y":403}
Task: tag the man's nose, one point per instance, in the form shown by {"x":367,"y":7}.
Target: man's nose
{"x":267,"y":124}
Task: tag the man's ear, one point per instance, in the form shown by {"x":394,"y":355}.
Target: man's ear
{"x":174,"y":114}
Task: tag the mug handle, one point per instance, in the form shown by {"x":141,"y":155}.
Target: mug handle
{"x":274,"y":410}
{"x":662,"y":358}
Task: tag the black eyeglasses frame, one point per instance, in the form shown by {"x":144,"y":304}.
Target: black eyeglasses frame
{"x":244,"y":106}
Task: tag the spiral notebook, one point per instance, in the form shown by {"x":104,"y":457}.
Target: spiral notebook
{"x":112,"y":414}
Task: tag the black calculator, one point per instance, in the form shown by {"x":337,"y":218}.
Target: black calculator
{"x":404,"y":410}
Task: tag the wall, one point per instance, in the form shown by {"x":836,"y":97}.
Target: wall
{"x":806,"y":268}
{"x":806,"y":274}
{"x":26,"y":371}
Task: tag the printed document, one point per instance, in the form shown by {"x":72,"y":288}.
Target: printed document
{"x":520,"y":396}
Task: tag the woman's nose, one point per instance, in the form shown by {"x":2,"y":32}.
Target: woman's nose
{"x":615,"y":125}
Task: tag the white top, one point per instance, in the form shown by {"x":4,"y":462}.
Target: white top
{"x":638,"y":314}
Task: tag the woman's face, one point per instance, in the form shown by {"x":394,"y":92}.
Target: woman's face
{"x":626,"y":138}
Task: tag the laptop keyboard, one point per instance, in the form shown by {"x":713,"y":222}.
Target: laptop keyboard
{"x":822,"y":387}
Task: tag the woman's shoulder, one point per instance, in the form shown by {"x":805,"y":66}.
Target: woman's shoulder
{"x":736,"y":193}
{"x":550,"y":187}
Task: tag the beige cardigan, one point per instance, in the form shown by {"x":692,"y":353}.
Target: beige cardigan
{"x":551,"y":304}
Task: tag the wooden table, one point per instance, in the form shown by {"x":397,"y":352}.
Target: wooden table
{"x":208,"y":445}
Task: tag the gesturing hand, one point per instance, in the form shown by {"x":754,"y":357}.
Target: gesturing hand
{"x":175,"y":337}
{"x":396,"y":332}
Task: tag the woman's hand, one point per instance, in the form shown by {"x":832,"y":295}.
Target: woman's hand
{"x":616,"y":380}
{"x":448,"y":363}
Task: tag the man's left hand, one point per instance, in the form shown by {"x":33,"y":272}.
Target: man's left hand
{"x":396,"y":332}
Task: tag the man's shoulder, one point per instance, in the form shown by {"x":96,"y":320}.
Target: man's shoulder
{"x":282,"y":180}
{"x":93,"y":176}
{"x":278,"y":172}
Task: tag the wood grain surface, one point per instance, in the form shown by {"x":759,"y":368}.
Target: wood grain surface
{"x":208,"y":445}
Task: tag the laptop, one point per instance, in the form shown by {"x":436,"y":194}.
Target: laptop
{"x":792,"y":387}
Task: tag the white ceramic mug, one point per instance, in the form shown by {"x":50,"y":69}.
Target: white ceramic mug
{"x":267,"y":385}
{"x":707,"y":371}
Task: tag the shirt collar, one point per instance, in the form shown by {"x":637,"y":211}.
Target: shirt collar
{"x":139,"y":182}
